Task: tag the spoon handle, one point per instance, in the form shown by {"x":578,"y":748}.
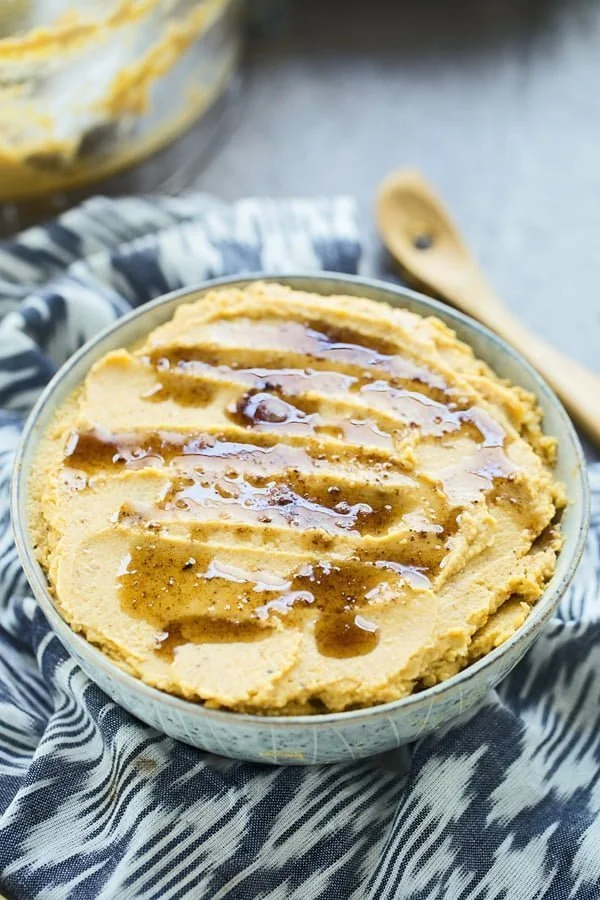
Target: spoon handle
{"x":419,"y":233}
{"x":577,"y":386}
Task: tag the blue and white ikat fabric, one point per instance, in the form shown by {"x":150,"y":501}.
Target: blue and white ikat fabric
{"x":94,"y":804}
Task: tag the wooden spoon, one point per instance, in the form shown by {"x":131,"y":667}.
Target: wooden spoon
{"x":419,"y":233}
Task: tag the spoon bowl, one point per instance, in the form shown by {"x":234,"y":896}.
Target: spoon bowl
{"x":419,"y":233}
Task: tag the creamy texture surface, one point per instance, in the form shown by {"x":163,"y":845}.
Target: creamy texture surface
{"x":286,"y":503}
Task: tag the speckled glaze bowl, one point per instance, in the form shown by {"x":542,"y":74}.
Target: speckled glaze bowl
{"x":334,"y":737}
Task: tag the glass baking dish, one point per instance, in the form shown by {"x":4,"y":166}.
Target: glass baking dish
{"x":88,"y":90}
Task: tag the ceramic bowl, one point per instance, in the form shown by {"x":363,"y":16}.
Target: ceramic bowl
{"x":329,"y":737}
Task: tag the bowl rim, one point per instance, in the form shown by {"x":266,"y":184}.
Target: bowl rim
{"x":308,"y":281}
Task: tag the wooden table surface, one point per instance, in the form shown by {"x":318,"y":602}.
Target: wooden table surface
{"x":498,"y":102}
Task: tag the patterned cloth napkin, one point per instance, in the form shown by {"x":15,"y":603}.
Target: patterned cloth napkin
{"x":94,"y":804}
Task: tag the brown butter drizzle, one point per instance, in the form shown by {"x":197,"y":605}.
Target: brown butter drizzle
{"x":98,"y":450}
{"x":316,"y":340}
{"x":288,"y":502}
{"x":189,"y":597}
{"x":432,"y":406}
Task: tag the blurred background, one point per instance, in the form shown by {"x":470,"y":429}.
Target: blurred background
{"x":497,"y":102}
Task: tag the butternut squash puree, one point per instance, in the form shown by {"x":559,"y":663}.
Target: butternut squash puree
{"x":283,"y":502}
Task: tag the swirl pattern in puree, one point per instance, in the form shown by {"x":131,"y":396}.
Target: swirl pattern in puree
{"x":283,"y":503}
